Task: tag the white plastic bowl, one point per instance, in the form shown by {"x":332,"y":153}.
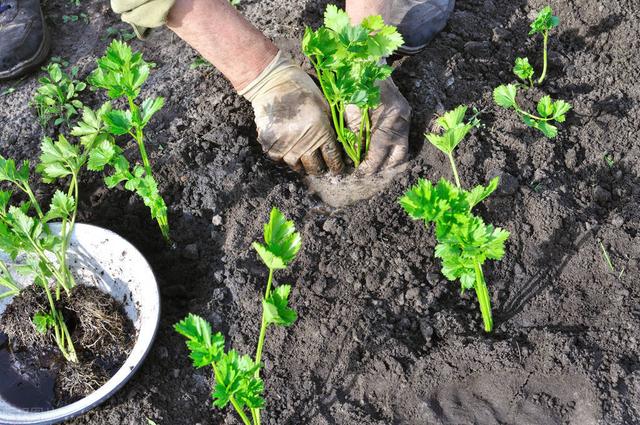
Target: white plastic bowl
{"x":101,"y":258}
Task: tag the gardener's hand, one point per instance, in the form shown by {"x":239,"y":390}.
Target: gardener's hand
{"x":292,"y":118}
{"x":389,"y":129}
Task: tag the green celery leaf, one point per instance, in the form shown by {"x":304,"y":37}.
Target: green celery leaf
{"x":523,"y":69}
{"x":58,"y":159}
{"x":43,"y":322}
{"x":118,"y":122}
{"x":62,"y":206}
{"x":505,"y":95}
{"x":545,"y":21}
{"x":205,"y":347}
{"x":480,"y":193}
{"x":560,"y":108}
{"x":545,"y":107}
{"x":276,"y":309}
{"x":102,"y":155}
{"x":282,"y":242}
{"x":149,"y":107}
{"x":336,"y":19}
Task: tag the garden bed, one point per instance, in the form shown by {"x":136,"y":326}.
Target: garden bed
{"x":382,"y":337}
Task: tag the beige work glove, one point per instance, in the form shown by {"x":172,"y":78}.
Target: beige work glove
{"x":143,"y":14}
{"x":292,"y":118}
{"x":390,"y":124}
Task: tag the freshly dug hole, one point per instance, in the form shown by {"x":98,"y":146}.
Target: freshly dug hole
{"x":102,"y":334}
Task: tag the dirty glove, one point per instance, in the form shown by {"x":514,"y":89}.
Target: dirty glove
{"x":292,"y":118}
{"x":390,"y":123}
{"x":143,"y":14}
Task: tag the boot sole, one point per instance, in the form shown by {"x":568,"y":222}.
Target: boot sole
{"x":410,"y":51}
{"x":33,"y":62}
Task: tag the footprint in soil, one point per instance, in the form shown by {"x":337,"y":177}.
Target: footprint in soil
{"x":515,"y":399}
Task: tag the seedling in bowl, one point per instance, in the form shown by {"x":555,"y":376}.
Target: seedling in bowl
{"x":122,"y":72}
{"x":238,"y":381}
{"x":465,"y":242}
{"x":348,"y":62}
{"x":24,"y":230}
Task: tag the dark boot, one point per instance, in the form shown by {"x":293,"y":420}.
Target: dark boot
{"x":24,"y":39}
{"x":418,"y":21}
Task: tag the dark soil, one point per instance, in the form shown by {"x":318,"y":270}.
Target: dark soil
{"x":382,"y":338}
{"x":102,"y":334}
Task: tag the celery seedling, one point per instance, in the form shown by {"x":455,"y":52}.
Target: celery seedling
{"x":465,"y":242}
{"x":237,"y":377}
{"x":348,"y":62}
{"x":524,"y":70}
{"x":57,"y":95}
{"x":549,"y":110}
{"x":505,"y":95}
{"x":122,"y":73}
{"x":544,"y":22}
{"x":24,"y":229}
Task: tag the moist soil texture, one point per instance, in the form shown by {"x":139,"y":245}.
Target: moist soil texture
{"x":33,"y":372}
{"x":382,"y":338}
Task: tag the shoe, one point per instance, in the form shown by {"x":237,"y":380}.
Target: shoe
{"x":419,"y":21}
{"x":24,"y":38}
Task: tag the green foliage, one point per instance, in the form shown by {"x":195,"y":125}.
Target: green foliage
{"x":200,"y":62}
{"x":282,"y":242}
{"x":455,"y":129}
{"x":465,"y":242}
{"x":276,"y":307}
{"x":43,"y":322}
{"x":56,"y":97}
{"x":122,"y":72}
{"x":347,"y":59}
{"x":24,"y":231}
{"x":236,"y":382}
{"x":237,"y":376}
{"x":72,"y":19}
{"x":6,"y":280}
{"x":524,"y":70}
{"x":549,"y":111}
{"x":123,"y":34}
{"x":544,"y":22}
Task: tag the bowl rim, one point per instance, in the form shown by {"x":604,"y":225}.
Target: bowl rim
{"x":125,"y":373}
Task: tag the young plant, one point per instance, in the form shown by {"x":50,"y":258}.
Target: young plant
{"x":122,"y":73}
{"x":120,"y":33}
{"x":544,"y":22}
{"x":57,"y":96}
{"x":549,"y":110}
{"x":72,"y":19}
{"x":524,"y":70}
{"x":465,"y":242}
{"x":237,"y":377}
{"x":24,"y":229}
{"x":348,"y":62}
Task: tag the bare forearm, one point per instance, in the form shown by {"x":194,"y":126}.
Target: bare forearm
{"x":224,"y":37}
{"x":360,"y":9}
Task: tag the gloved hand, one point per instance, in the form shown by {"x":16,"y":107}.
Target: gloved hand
{"x":389,"y":129}
{"x":292,"y":118}
{"x":143,"y":14}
